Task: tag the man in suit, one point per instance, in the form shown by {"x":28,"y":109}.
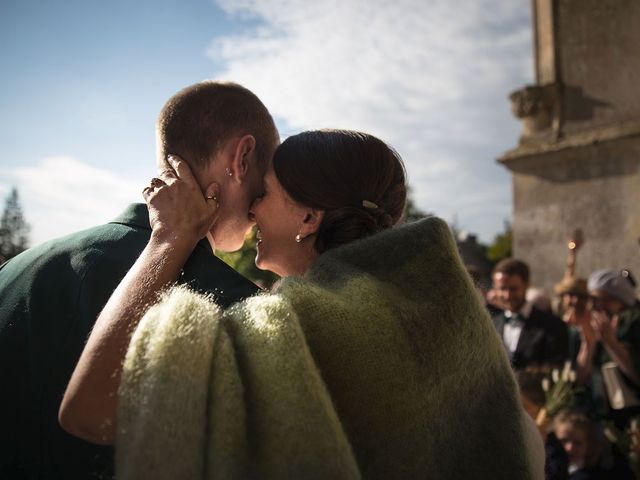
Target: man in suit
{"x":52,"y":294}
{"x":530,"y":335}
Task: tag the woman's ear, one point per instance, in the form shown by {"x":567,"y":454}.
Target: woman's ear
{"x":311,"y":223}
{"x":243,"y":157}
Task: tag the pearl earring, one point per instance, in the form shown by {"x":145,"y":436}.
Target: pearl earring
{"x":298,"y":238}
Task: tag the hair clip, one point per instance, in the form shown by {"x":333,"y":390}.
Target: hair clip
{"x":627,"y":274}
{"x":368,"y":204}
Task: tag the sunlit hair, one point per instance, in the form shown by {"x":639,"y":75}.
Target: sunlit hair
{"x":336,"y":170}
{"x":197,"y":121}
{"x":577,"y":420}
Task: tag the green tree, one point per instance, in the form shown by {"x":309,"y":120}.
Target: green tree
{"x":501,"y":246}
{"x":14,"y":230}
{"x":243,"y":261}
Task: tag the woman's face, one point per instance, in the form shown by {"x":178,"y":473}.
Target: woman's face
{"x":278,"y":220}
{"x":604,"y":302}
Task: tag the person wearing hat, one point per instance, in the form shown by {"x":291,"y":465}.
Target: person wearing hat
{"x":573,"y":298}
{"x":614,"y":333}
{"x":573,"y":295}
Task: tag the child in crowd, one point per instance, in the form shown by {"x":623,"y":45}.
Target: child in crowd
{"x":556,"y":465}
{"x":577,"y":434}
{"x":591,"y":456}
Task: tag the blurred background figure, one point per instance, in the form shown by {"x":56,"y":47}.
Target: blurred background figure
{"x":571,"y":287}
{"x":539,"y":299}
{"x":611,"y":345}
{"x":573,"y":298}
{"x":531,"y":336}
{"x":576,"y":433}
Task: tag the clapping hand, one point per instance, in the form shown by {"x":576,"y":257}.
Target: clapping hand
{"x":569,"y":317}
{"x":581,"y":319}
{"x":604,"y":326}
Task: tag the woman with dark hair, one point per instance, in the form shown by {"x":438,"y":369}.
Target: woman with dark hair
{"x":373,"y":357}
{"x":344,"y":185}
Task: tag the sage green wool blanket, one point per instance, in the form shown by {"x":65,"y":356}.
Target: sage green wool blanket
{"x":379,"y":363}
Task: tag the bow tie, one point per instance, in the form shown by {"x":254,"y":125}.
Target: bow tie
{"x":513,"y":317}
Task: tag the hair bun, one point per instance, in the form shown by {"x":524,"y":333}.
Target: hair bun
{"x":355,"y":178}
{"x":380,"y":216}
{"x":346,"y":224}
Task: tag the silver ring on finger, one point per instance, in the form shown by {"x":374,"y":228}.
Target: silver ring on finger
{"x":156,"y":182}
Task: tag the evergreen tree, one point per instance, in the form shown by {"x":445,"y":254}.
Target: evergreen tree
{"x":14,"y":230}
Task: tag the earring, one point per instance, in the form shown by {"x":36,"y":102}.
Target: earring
{"x":298,"y":238}
{"x":228,"y":172}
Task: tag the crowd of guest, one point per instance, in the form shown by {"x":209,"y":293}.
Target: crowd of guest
{"x":576,"y":358}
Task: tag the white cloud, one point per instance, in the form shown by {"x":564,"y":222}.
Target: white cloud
{"x":60,"y":195}
{"x":429,"y":77}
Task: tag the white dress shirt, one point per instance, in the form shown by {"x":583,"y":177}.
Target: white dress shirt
{"x":513,"y":328}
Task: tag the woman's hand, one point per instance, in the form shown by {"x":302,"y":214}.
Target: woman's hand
{"x":570,"y":317}
{"x":604,"y":327}
{"x":588,"y":335}
{"x":180,"y":215}
{"x":178,"y":210}
{"x":607,"y":328}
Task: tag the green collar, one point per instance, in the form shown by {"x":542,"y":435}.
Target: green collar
{"x":137,"y":215}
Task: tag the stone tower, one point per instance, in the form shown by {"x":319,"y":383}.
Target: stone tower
{"x":577,"y":164}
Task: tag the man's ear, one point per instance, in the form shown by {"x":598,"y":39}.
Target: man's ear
{"x":311,"y":223}
{"x":163,"y":164}
{"x":243,"y":157}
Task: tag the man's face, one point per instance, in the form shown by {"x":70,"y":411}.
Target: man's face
{"x":511,"y":290}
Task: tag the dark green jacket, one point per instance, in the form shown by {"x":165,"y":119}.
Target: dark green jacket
{"x":50,"y":297}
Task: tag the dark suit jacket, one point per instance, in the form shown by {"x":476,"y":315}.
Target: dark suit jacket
{"x":544,"y":340}
{"x":50,"y":296}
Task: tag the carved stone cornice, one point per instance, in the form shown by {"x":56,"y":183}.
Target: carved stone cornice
{"x":536,"y":106}
{"x":592,"y":136}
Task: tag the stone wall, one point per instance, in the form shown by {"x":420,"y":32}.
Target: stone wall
{"x":598,"y":53}
{"x":577,"y":164}
{"x":595,"y":188}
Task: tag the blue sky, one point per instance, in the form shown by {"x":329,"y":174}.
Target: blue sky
{"x":82,"y":83}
